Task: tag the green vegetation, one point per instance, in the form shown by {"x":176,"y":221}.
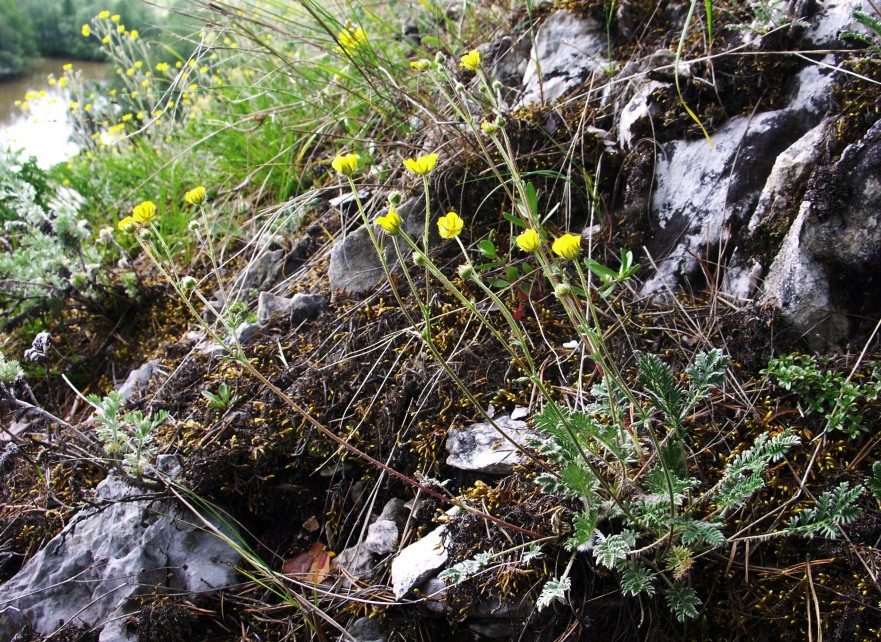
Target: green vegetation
{"x":664,"y":476}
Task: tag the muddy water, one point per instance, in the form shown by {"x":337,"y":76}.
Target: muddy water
{"x":44,"y":129}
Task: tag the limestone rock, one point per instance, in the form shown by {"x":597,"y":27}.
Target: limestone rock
{"x":262,"y":273}
{"x":138,"y":380}
{"x":824,"y":280}
{"x":91,"y":571}
{"x":418,"y":562}
{"x":480,"y":447}
{"x":354,"y":265}
{"x":704,"y":193}
{"x":305,"y":307}
{"x":568,"y":50}
{"x":382,"y":537}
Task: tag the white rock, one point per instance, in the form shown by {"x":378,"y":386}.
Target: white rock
{"x":418,"y":562}
{"x":91,"y":571}
{"x":568,"y":50}
{"x":481,"y":447}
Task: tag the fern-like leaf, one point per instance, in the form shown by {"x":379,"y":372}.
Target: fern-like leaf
{"x":833,"y":508}
{"x":873,"y":482}
{"x":553,"y":590}
{"x":584,"y":526}
{"x":683,"y":601}
{"x":610,"y":550}
{"x":636,"y":578}
{"x":697,"y":532}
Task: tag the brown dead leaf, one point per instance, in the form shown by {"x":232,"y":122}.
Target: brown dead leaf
{"x":313,"y":566}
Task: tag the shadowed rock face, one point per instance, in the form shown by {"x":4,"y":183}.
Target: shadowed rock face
{"x":826,"y":276}
{"x":89,"y":573}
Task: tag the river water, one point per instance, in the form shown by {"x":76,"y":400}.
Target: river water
{"x":43,"y":130}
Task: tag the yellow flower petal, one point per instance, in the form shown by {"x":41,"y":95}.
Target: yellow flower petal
{"x":471,"y":60}
{"x":450,"y":226}
{"x":144,"y":212}
{"x":529,"y":241}
{"x":421,"y":165}
{"x":196,"y":196}
{"x":567,"y":246}
{"x":345,"y":164}
{"x":391,"y":222}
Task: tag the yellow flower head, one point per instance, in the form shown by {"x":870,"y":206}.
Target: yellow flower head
{"x":196,"y":196}
{"x":133,"y":34}
{"x":127,"y":225}
{"x":352,"y":38}
{"x":391,"y":222}
{"x":144,"y":212}
{"x":529,"y":241}
{"x":104,"y":15}
{"x":471,"y":60}
{"x":345,"y":164}
{"x":86,"y":31}
{"x":423,"y":64}
{"x":421,"y":165}
{"x":120,"y":28}
{"x":450,"y":225}
{"x":115,"y":17}
{"x":567,"y":246}
{"x":67,"y":67}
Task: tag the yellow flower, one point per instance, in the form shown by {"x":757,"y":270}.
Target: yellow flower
{"x":471,"y":60}
{"x":345,"y":164}
{"x":126,"y":117}
{"x":391,"y":222}
{"x":529,"y":241}
{"x":120,"y":28}
{"x":144,"y":212}
{"x":105,"y":40}
{"x":86,"y":31}
{"x":162,"y":66}
{"x":67,"y":67}
{"x":450,"y":225}
{"x":421,"y":165}
{"x":104,"y":15}
{"x":127,"y":225}
{"x":195,"y":196}
{"x":133,"y":34}
{"x":423,"y":64}
{"x":115,"y":17}
{"x":351,"y":38}
{"x":567,"y":246}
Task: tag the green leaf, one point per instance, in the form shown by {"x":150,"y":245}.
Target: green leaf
{"x":697,"y":532}
{"x":553,"y":590}
{"x":610,"y":550}
{"x":873,"y":482}
{"x":683,"y":601}
{"x":584,"y":526}
{"x":636,"y":578}
{"x":514,"y":219}
{"x":833,"y":508}
{"x":487,"y":248}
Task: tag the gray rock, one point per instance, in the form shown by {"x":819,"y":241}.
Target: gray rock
{"x":568,"y":50}
{"x":395,"y":510}
{"x":139,"y":379}
{"x":305,"y":307}
{"x":356,"y":561}
{"x":247,"y":332}
{"x":822,"y":280}
{"x":434,"y":590}
{"x":355,"y":267}
{"x":637,"y":113}
{"x":480,"y":447}
{"x":270,"y":307}
{"x":833,"y":17}
{"x":418,"y":562}
{"x":366,"y":630}
{"x":262,"y":273}
{"x":382,"y":537}
{"x":90,"y":572}
{"x":704,"y":193}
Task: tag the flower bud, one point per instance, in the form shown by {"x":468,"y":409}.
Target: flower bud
{"x":187,"y":283}
{"x":466,"y":271}
{"x":419,"y":258}
{"x":394,"y":198}
{"x":562,"y":290}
